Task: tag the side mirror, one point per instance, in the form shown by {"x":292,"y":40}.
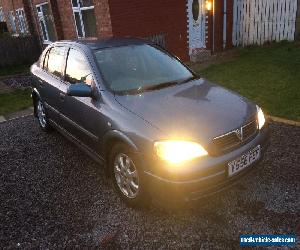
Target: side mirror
{"x":79,"y":89}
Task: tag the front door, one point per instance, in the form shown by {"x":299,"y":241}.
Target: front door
{"x":81,"y":115}
{"x":196,"y":20}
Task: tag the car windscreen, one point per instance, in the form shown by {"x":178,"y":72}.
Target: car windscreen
{"x":139,"y":67}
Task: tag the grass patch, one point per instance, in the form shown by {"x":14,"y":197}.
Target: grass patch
{"x":15,"y":100}
{"x":269,"y":75}
{"x":20,"y":69}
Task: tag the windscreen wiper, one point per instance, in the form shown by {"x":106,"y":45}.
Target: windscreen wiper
{"x":158,"y":86}
{"x":191,"y":78}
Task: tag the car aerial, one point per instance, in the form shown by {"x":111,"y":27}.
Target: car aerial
{"x":161,"y":131}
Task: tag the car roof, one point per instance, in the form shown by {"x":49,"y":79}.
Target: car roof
{"x":105,"y":42}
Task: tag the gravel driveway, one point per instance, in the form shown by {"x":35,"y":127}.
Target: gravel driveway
{"x":53,"y":196}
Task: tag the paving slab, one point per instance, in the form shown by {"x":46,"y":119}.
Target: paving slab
{"x":2,"y":119}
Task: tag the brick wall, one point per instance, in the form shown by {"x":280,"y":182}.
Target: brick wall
{"x":103,"y":19}
{"x":138,"y":18}
{"x":11,"y":6}
{"x":67,"y":19}
{"x":145,"y":18}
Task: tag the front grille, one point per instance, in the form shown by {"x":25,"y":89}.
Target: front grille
{"x":232,"y":139}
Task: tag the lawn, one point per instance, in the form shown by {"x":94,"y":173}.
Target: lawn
{"x":11,"y":101}
{"x":268,"y":75}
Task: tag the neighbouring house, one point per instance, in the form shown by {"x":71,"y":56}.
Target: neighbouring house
{"x":191,"y":29}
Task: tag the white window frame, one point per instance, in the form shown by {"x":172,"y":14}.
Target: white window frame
{"x":20,"y":13}
{"x":41,"y":18}
{"x":78,"y":10}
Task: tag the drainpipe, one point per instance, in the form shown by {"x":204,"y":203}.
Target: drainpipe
{"x":213,"y":38}
{"x":224,"y":23}
{"x":36,"y":25}
{"x":297,"y":33}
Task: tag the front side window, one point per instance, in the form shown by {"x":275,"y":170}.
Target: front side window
{"x":20,"y":14}
{"x":55,"y":61}
{"x":46,"y":22}
{"x":77,"y":68}
{"x":84,"y":16}
{"x":139,"y":67}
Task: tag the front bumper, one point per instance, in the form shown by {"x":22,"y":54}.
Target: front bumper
{"x":205,"y":176}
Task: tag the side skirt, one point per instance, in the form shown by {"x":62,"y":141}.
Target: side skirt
{"x":91,"y":153}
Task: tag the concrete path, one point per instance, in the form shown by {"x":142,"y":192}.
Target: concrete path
{"x":18,"y":114}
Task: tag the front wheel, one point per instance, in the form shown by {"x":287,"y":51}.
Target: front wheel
{"x":41,"y":116}
{"x":127,"y":176}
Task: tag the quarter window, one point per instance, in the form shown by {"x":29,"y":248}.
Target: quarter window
{"x":77,"y":69}
{"x":55,"y":61}
{"x":84,"y":16}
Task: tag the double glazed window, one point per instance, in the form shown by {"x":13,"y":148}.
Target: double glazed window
{"x":2,"y":19}
{"x":20,"y":14}
{"x":84,"y":16}
{"x":46,"y":22}
{"x":12,"y":22}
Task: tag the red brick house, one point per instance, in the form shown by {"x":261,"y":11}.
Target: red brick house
{"x":188,"y":28}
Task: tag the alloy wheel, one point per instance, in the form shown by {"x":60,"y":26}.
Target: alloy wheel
{"x":126,"y":175}
{"x":41,"y":114}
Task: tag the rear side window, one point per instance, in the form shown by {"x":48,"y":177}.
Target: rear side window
{"x":55,"y":61}
{"x":77,"y":69}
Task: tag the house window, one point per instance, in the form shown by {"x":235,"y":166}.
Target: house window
{"x":22,"y":21}
{"x":12,"y":22}
{"x":2,"y":19}
{"x":84,"y":16}
{"x":46,"y":22}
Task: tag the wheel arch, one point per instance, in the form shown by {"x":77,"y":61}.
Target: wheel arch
{"x":35,"y":96}
{"x":113,"y":137}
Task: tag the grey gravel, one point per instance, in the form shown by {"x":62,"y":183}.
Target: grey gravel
{"x":15,"y":82}
{"x":53,"y":196}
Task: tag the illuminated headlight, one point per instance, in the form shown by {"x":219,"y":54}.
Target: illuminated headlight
{"x":178,"y":151}
{"x":260,"y":117}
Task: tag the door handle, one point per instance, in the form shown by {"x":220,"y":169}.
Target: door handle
{"x":62,"y":96}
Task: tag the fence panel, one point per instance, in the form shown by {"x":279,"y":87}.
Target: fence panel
{"x":259,"y":21}
{"x":18,"y":50}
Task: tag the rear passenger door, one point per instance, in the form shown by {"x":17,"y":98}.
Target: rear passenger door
{"x":52,"y":85}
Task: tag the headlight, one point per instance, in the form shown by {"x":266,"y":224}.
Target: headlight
{"x":260,"y":117}
{"x":178,"y":151}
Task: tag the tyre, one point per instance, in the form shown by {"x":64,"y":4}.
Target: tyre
{"x":41,"y":116}
{"x":127,"y":176}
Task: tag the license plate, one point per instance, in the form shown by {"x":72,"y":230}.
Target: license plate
{"x":243,"y":161}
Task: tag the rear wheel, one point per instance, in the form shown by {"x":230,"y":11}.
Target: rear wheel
{"x":41,"y":116}
{"x":127,"y":176}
